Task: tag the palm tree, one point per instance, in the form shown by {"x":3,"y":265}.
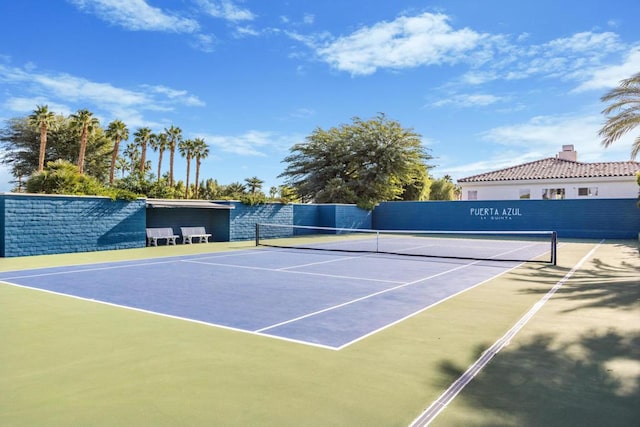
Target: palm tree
{"x":159,"y":143}
{"x":87,"y":124}
{"x":117,"y":132}
{"x":122,"y":165}
{"x":254,"y":184}
{"x":45,"y":120}
{"x":235,"y":190}
{"x":142,"y":137}
{"x":131,"y":151}
{"x":201,"y":151}
{"x":186,"y":149}
{"x":174,"y":135}
{"x":626,"y":105}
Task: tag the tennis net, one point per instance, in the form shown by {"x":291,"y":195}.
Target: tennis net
{"x":521,"y":246}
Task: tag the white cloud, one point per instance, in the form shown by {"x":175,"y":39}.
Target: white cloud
{"x":137,"y":15}
{"x":204,"y":42}
{"x":468,"y":100}
{"x":181,"y":96}
{"x":426,"y":39}
{"x":538,"y":138}
{"x":607,"y":77}
{"x":252,"y":143}
{"x":225,"y":9}
{"x":27,"y":105}
{"x":549,"y":133}
{"x":64,"y":93}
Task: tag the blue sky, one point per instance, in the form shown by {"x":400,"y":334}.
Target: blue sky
{"x":488,"y":84}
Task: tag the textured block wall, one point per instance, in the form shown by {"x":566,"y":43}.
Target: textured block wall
{"x":243,"y":219}
{"x":350,"y":216}
{"x":592,"y":218}
{"x":338,"y":216}
{"x":306,"y":215}
{"x":37,"y":225}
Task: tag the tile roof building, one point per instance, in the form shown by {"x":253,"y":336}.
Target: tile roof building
{"x":560,"y":177}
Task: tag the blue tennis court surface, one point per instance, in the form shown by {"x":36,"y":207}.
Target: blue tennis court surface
{"x":324,"y":299}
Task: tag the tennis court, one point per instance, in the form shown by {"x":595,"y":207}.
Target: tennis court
{"x":202,"y":335}
{"x":328,"y":299}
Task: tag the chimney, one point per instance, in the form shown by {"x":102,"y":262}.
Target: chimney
{"x":568,"y":153}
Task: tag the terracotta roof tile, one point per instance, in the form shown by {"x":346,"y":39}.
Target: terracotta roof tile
{"x":555,"y":168}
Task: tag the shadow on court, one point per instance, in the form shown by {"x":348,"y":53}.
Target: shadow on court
{"x":577,"y":363}
{"x":543,"y":383}
{"x":603,"y":283}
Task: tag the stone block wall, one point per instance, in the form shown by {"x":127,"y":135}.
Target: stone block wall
{"x":46,"y":224}
{"x":243,"y":218}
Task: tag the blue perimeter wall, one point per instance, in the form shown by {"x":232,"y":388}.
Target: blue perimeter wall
{"x":37,"y":224}
{"x":336,"y":216}
{"x":244,"y":218}
{"x":589,"y":218}
{"x":40,"y":224}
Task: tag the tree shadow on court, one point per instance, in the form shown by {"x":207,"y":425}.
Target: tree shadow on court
{"x":569,"y":377}
{"x":601,"y":284}
{"x":592,"y":381}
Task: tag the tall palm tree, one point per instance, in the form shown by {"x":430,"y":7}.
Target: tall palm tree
{"x":131,"y":152}
{"x":254,"y":184}
{"x":44,"y":120}
{"x":117,"y":132}
{"x":84,"y":121}
{"x":142,"y":137}
{"x":186,"y":149}
{"x":159,"y":142}
{"x":201,"y":151}
{"x":625,"y":104}
{"x":174,"y":135}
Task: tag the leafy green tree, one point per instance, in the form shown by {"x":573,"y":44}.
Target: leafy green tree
{"x":117,"y":132}
{"x":174,"y":135}
{"x":63,"y":177}
{"x":417,"y":185}
{"x":84,"y":121}
{"x":288,"y":194}
{"x":443,"y":189}
{"x":200,"y":151}
{"x":20,"y":145}
{"x":186,"y":149}
{"x":625,"y":107}
{"x":210,"y":189}
{"x":44,"y":120}
{"x":365,"y":162}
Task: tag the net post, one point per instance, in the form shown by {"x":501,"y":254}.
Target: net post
{"x":257,"y":234}
{"x":554,"y":248}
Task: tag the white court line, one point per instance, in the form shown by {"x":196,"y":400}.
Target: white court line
{"x":170,"y":316}
{"x":57,"y":273}
{"x":458,"y":385}
{"x":280,"y":270}
{"x":380,"y":293}
{"x":363,"y":298}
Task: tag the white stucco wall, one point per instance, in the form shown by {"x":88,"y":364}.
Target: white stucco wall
{"x":607,"y":188}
